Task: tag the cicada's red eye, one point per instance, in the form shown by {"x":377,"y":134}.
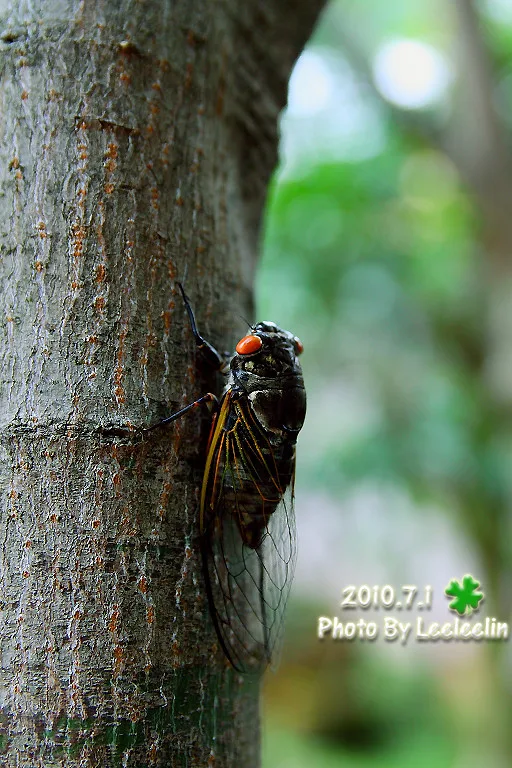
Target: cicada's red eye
{"x":248,"y":345}
{"x":299,"y":346}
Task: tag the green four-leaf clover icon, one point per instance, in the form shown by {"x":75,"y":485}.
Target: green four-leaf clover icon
{"x":467,"y":598}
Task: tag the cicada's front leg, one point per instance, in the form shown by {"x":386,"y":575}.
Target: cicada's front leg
{"x":210,"y":355}
{"x":207,"y":350}
{"x":209,"y":400}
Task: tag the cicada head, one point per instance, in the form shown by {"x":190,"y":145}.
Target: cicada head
{"x":266,"y":367}
{"x":268,"y":351}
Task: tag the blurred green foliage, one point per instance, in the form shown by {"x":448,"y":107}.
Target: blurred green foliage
{"x":365,"y":259}
{"x":405,"y":725}
{"x":378,"y":263}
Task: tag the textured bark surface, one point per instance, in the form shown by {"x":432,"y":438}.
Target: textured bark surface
{"x":136,"y":141}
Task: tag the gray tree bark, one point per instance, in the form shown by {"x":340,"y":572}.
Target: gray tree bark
{"x":136,"y":143}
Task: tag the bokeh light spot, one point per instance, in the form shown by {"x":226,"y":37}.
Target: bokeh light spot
{"x":410,"y":73}
{"x":311,"y":85}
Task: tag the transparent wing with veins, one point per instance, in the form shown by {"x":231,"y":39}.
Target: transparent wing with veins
{"x":248,"y":536}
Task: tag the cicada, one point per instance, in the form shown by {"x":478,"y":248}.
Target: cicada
{"x":246,"y":516}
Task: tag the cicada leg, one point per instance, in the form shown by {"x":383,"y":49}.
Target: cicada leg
{"x":209,"y":353}
{"x":209,"y":400}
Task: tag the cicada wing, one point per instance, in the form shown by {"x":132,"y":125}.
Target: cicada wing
{"x":248,"y":577}
{"x":248,"y":587}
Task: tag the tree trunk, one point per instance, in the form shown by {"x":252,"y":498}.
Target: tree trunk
{"x":136,"y":143}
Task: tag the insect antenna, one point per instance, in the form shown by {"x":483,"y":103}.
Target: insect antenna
{"x":241,"y":317}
